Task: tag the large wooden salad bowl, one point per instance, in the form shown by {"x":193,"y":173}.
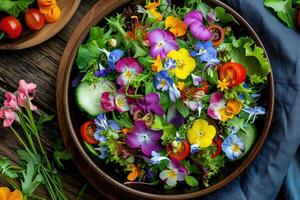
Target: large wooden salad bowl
{"x":99,"y":175}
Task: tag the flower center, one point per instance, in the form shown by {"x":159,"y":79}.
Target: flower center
{"x":144,"y":138}
{"x":160,"y":44}
{"x":200,"y":133}
{"x":163,"y":82}
{"x":180,"y":64}
{"x":172,"y":174}
{"x":235,"y":148}
{"x":202,"y":51}
{"x":128,"y":75}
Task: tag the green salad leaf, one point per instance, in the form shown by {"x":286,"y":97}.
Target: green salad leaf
{"x":223,"y":16}
{"x":296,"y":2}
{"x":6,"y":168}
{"x":32,"y":179}
{"x":14,"y":7}
{"x":284,"y":10}
{"x":191,"y":181}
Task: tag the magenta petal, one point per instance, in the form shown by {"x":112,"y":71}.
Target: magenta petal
{"x":121,"y":81}
{"x":216,"y":97}
{"x":212,"y":111}
{"x":200,"y":31}
{"x":148,"y":148}
{"x":193,"y":16}
{"x":152,"y":98}
{"x":156,"y":36}
{"x":132,"y":141}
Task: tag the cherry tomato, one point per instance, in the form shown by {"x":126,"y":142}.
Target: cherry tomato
{"x":34,"y":19}
{"x":11,"y":26}
{"x":217,"y":142}
{"x":178,"y":149}
{"x":234,"y":73}
{"x":87,"y":131}
{"x":218,"y":34}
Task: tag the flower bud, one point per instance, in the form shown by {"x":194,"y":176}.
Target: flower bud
{"x":112,"y":42}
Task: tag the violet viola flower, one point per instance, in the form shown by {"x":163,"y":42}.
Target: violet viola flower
{"x":194,"y":20}
{"x":102,"y":72}
{"x":217,"y":102}
{"x":150,"y":103}
{"x":162,"y":81}
{"x":206,"y":53}
{"x":143,"y":137}
{"x":161,"y":42}
{"x":175,"y":172}
{"x":129,"y":69}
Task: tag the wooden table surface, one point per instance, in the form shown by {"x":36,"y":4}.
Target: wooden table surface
{"x":39,"y":65}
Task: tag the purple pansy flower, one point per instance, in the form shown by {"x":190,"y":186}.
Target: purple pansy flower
{"x":129,"y":69}
{"x":143,"y":137}
{"x":194,"y":20}
{"x":217,"y":102}
{"x":150,"y":103}
{"x":206,"y":53}
{"x":175,"y":172}
{"x":162,"y":81}
{"x":161,"y":42}
{"x":102,"y":71}
{"x":233,"y":147}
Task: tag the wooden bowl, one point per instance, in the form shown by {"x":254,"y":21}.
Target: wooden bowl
{"x":32,"y":38}
{"x":100,"y":175}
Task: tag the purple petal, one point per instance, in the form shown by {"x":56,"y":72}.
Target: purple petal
{"x":154,"y":135}
{"x":200,"y":31}
{"x":132,"y":140}
{"x":156,"y":36}
{"x":148,"y":148}
{"x":152,"y":98}
{"x":77,"y":79}
{"x":216,"y":97}
{"x":121,"y":81}
{"x":193,"y":16}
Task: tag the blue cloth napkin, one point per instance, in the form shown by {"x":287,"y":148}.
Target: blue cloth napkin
{"x":277,"y":166}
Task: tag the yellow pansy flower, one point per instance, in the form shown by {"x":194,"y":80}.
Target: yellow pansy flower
{"x":157,"y":66}
{"x":201,"y":133}
{"x":175,"y":26}
{"x":185,"y":64}
{"x":6,"y":194}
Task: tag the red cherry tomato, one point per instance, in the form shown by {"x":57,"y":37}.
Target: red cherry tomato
{"x":87,"y":131}
{"x":11,"y":26}
{"x":218,"y":34}
{"x":234,"y":73}
{"x":34,"y":19}
{"x":217,"y":142}
{"x":178,"y":150}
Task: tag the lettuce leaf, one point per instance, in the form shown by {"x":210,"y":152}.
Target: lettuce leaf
{"x":284,"y":10}
{"x":14,"y":7}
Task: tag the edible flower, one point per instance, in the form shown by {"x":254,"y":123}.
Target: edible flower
{"x":233,"y":147}
{"x":175,"y":172}
{"x":6,"y":194}
{"x":8,"y":115}
{"x":201,"y":133}
{"x":135,"y":172}
{"x":26,"y":92}
{"x":150,"y":103}
{"x":11,"y":101}
{"x":194,"y":20}
{"x":170,"y":64}
{"x":102,"y":71}
{"x":253,"y":112}
{"x":143,"y":137}
{"x":211,"y":16}
{"x":233,"y":107}
{"x":147,"y":118}
{"x":152,"y":9}
{"x":175,"y":26}
{"x":103,"y":124}
{"x":121,"y":103}
{"x":103,"y":152}
{"x":217,"y":102}
{"x":180,"y":85}
{"x":156,"y":158}
{"x":157,"y":66}
{"x":185,"y":64}
{"x":162,"y":81}
{"x":174,"y":93}
{"x":129,"y":69}
{"x":113,"y":56}
{"x":223,"y":85}
{"x":206,"y":53}
{"x":161,"y":42}
{"x":197,"y":80}
{"x":194,"y":148}
{"x":107,"y":101}
{"x":195,"y":106}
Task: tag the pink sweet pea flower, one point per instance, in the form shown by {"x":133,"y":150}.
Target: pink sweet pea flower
{"x":26,"y":91}
{"x":217,"y":102}
{"x":9,"y":117}
{"x":11,"y":101}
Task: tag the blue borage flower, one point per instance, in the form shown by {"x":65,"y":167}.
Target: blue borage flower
{"x":104,"y":125}
{"x":170,"y":64}
{"x":162,"y":81}
{"x":174,"y":93}
{"x":103,"y":152}
{"x":113,"y":57}
{"x":206,"y":53}
{"x":156,"y":158}
{"x":233,"y":147}
{"x":253,"y":112}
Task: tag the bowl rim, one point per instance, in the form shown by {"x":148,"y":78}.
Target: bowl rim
{"x":67,"y":63}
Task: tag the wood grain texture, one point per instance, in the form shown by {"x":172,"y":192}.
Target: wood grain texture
{"x":40,"y":65}
{"x":70,"y":129}
{"x":31,"y":38}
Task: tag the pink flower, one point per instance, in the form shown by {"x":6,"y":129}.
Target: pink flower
{"x":11,"y":101}
{"x":9,"y":117}
{"x":217,"y":102}
{"x":26,"y":91}
{"x":129,"y":69}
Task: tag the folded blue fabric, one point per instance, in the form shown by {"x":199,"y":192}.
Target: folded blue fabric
{"x":275,"y":167}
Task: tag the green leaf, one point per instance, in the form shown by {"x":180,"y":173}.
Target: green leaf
{"x":14,"y":7}
{"x":191,"y":181}
{"x":87,"y":54}
{"x":204,"y":8}
{"x":26,"y":157}
{"x":223,"y":16}
{"x":296,"y":2}
{"x":164,"y":101}
{"x":60,"y":153}
{"x":6,"y":168}
{"x":182,"y":109}
{"x":254,"y":79}
{"x":162,"y":164}
{"x":246,"y":52}
{"x":150,"y":87}
{"x":169,"y":133}
{"x":31,"y":179}
{"x":158,"y":123}
{"x":284,"y":10}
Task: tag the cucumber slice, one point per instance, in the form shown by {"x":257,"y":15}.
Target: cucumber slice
{"x":248,"y":138}
{"x":88,"y":96}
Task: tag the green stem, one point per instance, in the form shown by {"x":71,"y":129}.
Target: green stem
{"x":10,"y":181}
{"x":37,"y":197}
{"x":21,"y":140}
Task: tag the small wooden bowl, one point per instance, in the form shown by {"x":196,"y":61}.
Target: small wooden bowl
{"x":32,"y":38}
{"x":100,"y":175}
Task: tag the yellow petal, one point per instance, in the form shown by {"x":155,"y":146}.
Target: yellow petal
{"x":192,"y":136}
{"x":200,"y":124}
{"x":173,"y":54}
{"x":210,"y":131}
{"x":205,"y":142}
{"x":15,"y":195}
